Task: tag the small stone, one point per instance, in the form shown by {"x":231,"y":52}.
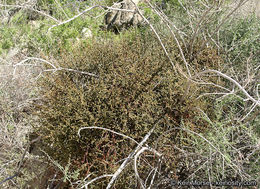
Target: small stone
{"x":86,"y":32}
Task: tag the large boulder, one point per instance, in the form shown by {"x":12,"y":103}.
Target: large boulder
{"x":116,"y":20}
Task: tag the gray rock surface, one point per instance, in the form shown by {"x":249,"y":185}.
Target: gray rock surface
{"x":116,"y":20}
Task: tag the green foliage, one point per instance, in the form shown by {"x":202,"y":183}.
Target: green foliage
{"x":111,"y":2}
{"x":25,"y":33}
{"x":149,"y":13}
{"x":172,"y":7}
{"x":61,"y":9}
{"x":13,"y":36}
{"x":135,"y":88}
{"x":229,"y":148}
{"x":6,"y":41}
{"x":241,"y":39}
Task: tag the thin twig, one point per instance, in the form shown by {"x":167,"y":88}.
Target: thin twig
{"x":135,"y":163}
{"x":234,"y":82}
{"x":120,"y":134}
{"x":95,"y":179}
{"x":29,"y":8}
{"x":157,"y":36}
{"x":54,"y":68}
{"x":87,"y":10}
{"x":176,"y":40}
{"x":130,"y":156}
{"x":17,"y":173}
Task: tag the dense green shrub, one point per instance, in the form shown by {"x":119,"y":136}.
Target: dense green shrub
{"x":136,"y":87}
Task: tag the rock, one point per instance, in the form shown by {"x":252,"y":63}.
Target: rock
{"x":34,"y":24}
{"x":117,"y":20}
{"x":86,"y":33}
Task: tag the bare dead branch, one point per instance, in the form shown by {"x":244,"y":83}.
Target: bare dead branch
{"x":54,"y":68}
{"x":130,"y":156}
{"x":85,"y":11}
{"x":166,"y":21}
{"x":157,"y":35}
{"x":95,"y":179}
{"x":257,"y":102}
{"x":32,"y":9}
{"x":101,"y":128}
{"x":135,"y":163}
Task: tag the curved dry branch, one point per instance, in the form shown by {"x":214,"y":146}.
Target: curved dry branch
{"x":32,"y":9}
{"x":95,"y":179}
{"x":87,"y":10}
{"x":157,"y":36}
{"x":166,"y":21}
{"x":130,"y":156}
{"x":105,"y":129}
{"x":53,"y":69}
{"x":257,"y":102}
{"x":135,"y":163}
{"x":138,"y":150}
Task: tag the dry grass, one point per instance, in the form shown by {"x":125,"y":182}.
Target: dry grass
{"x":16,"y":93}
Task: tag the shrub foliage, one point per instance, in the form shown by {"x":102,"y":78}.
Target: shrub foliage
{"x":135,"y":88}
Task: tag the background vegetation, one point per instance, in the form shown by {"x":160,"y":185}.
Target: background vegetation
{"x":77,"y":101}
